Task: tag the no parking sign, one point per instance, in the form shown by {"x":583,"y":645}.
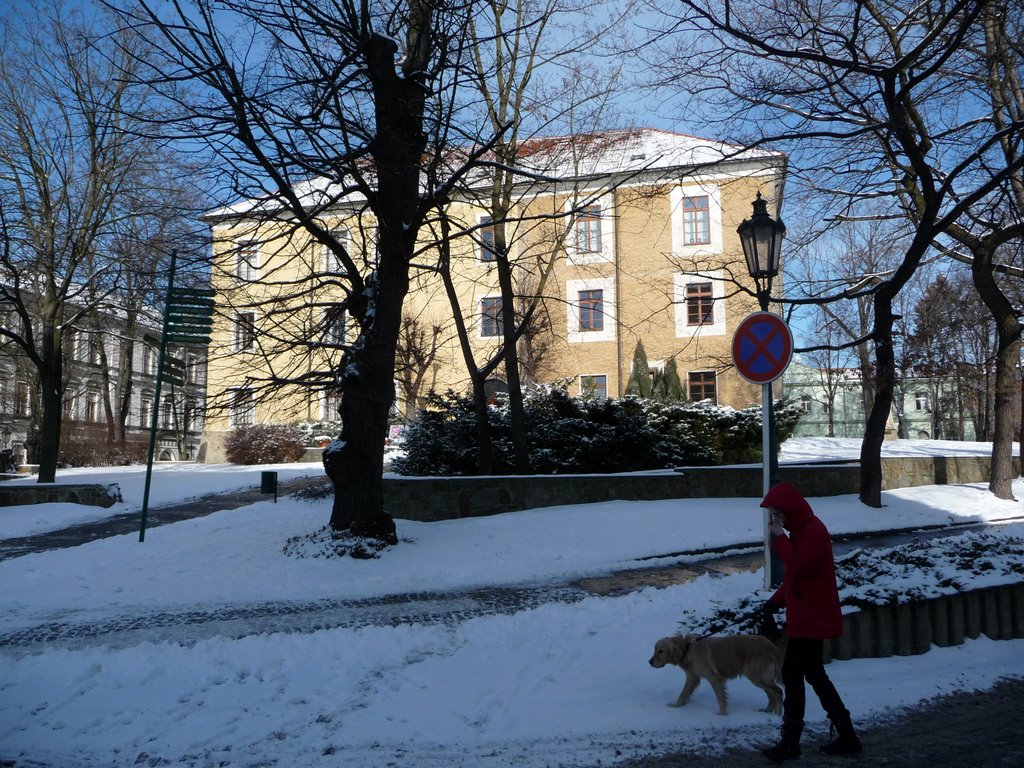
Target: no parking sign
{"x":762,"y":347}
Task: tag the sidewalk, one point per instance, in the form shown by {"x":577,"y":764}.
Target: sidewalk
{"x":129,"y":522}
{"x":966,"y":729}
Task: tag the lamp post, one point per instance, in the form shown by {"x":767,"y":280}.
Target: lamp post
{"x":761,"y":236}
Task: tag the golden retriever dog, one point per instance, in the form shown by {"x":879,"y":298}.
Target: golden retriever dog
{"x":718,"y":659}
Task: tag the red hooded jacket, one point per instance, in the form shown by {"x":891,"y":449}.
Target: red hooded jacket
{"x":808,"y":591}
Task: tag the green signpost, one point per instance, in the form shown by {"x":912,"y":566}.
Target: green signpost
{"x":188,"y":320}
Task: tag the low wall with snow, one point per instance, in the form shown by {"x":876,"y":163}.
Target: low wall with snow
{"x":46,"y":493}
{"x":446,"y":498}
{"x":912,"y":628}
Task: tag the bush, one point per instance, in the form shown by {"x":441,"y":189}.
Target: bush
{"x":265,"y":444}
{"x":586,"y":434}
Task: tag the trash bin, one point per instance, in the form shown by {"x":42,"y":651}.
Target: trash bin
{"x":268,"y":483}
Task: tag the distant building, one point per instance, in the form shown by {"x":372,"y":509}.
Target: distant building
{"x":91,"y":385}
{"x":832,"y":402}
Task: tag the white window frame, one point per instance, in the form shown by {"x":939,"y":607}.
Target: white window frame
{"x":713,"y":193}
{"x":715,"y":328}
{"x":234,"y":411}
{"x":583,"y":389}
{"x":236,"y":335}
{"x":246,"y":266}
{"x":329,"y":262}
{"x":485,"y":224}
{"x":573,"y":288}
{"x":607,"y":213}
{"x":483,"y":317}
{"x":714,"y":374}
{"x":331,"y":337}
{"x":145,"y":409}
{"x":330,"y":400}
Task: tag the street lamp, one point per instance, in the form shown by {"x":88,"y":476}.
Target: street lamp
{"x":761,"y":236}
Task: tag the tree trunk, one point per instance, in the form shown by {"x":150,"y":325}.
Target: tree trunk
{"x":356,"y":467}
{"x":510,"y":352}
{"x":49,"y":432}
{"x":1007,"y":357}
{"x":874,"y":430}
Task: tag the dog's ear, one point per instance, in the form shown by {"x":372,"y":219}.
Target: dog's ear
{"x":680,"y":647}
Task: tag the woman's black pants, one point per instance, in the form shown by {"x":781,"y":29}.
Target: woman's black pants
{"x":805,"y":660}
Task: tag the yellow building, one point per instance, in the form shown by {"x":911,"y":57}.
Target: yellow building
{"x":621,"y":237}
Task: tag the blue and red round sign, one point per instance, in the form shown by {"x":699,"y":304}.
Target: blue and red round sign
{"x":762,"y":347}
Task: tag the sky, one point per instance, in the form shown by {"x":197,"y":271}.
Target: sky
{"x":103,"y":659}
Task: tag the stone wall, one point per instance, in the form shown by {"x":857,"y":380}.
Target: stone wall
{"x":428,"y":499}
{"x":48,"y":493}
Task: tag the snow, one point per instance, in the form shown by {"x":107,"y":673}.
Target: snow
{"x":559,"y":684}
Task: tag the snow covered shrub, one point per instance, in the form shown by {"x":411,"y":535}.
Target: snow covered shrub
{"x":565,"y":435}
{"x":265,"y":444}
{"x":313,"y":432}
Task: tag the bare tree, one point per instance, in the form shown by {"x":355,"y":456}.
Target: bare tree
{"x":417,"y":351}
{"x":862,"y":92}
{"x":71,"y":157}
{"x":315,"y":107}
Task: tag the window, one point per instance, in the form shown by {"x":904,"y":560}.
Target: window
{"x":591,"y":229}
{"x":95,"y":348}
{"x":696,"y":220}
{"x":331,"y":262}
{"x":247,"y":262}
{"x":805,"y":403}
{"x":700,"y":304}
{"x":490,"y":316}
{"x":148,"y":360}
{"x":92,"y":407}
{"x":245,"y":331}
{"x":243,"y":410}
{"x":191,"y":368}
{"x":591,"y":309}
{"x":189,"y":416}
{"x":588,"y":229}
{"x":330,"y":405}
{"x":921,"y":402}
{"x":487,"y":250}
{"x":594,"y":385}
{"x":702,"y":386}
{"x":334,"y":326}
{"x":167,"y":417}
{"x":145,"y":412}
{"x":22,"y":399}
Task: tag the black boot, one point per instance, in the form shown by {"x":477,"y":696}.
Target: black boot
{"x":788,"y":747}
{"x":846,"y":741}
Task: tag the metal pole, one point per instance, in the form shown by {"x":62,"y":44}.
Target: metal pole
{"x":769,"y":462}
{"x":156,"y":401}
{"x":766,"y":481}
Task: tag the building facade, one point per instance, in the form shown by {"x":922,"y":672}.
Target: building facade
{"x":833,"y":405}
{"x":96,"y":374}
{"x":632,"y":240}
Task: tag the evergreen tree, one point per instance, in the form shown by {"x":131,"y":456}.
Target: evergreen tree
{"x":667,"y":385}
{"x":639,"y":374}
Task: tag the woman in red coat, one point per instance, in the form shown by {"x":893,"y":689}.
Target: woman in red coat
{"x":811,"y":599}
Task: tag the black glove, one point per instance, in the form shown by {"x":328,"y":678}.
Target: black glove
{"x":766,"y":624}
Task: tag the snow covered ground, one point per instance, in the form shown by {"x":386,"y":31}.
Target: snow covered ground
{"x":561,"y":684}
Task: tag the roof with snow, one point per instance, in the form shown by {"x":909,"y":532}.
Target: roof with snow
{"x":646,"y":153}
